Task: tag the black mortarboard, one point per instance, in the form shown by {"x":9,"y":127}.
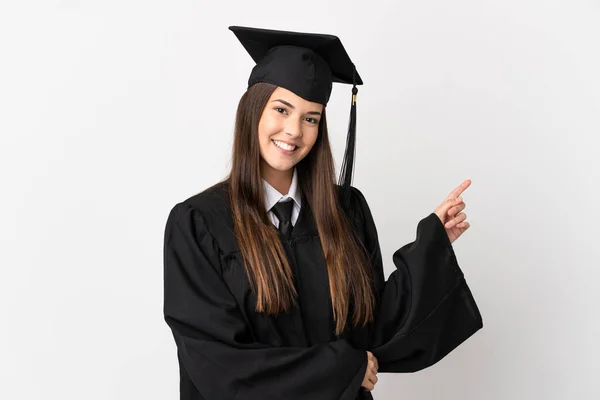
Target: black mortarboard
{"x":306,"y":64}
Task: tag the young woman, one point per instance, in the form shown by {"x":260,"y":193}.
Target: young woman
{"x":274,"y":284}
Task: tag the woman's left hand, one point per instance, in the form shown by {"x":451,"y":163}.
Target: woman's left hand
{"x":449,"y":212}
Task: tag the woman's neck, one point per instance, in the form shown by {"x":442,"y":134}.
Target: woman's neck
{"x":280,"y":180}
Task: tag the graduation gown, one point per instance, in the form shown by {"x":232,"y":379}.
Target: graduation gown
{"x":226,"y":350}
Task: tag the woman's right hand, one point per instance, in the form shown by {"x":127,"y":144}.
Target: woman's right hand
{"x":371,"y":373}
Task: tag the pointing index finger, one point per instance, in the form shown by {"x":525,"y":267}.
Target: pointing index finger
{"x":461,"y":188}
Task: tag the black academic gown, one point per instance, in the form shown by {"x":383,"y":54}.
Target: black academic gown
{"x":226,"y":350}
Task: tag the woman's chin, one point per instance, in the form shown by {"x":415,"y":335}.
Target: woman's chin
{"x":281,"y":167}
{"x":285,"y":168}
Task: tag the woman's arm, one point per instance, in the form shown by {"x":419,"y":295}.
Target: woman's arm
{"x":425,"y":307}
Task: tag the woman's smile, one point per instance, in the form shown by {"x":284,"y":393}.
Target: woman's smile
{"x":284,"y":148}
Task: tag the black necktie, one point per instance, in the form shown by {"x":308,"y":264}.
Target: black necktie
{"x":283,"y":211}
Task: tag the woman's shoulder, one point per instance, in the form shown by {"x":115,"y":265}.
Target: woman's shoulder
{"x":210,"y":200}
{"x":208,"y":212}
{"x":355,"y":207}
{"x":357,"y":203}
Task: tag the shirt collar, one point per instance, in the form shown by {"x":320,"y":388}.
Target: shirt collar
{"x":272,"y":196}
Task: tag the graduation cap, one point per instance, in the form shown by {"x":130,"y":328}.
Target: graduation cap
{"x":306,"y":64}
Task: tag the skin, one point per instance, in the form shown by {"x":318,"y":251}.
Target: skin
{"x":370,"y":378}
{"x":449,"y":212}
{"x":291,"y":119}
{"x":294,"y":120}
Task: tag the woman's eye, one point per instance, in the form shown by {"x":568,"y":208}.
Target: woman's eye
{"x":312,"y":120}
{"x":280,"y":109}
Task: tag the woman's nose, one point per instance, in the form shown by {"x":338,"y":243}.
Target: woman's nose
{"x":293,"y":127}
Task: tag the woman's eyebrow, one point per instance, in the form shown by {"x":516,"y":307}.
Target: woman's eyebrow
{"x":292,"y":107}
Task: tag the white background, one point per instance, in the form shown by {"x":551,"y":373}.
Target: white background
{"x":113,"y":111}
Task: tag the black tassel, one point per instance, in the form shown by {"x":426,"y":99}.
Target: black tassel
{"x":346,"y":172}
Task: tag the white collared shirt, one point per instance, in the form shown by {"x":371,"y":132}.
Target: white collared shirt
{"x":272,"y":196}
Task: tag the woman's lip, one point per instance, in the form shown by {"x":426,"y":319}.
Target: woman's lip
{"x":283,"y":141}
{"x":286,"y":152}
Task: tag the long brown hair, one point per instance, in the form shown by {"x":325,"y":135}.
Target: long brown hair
{"x":350,"y":279}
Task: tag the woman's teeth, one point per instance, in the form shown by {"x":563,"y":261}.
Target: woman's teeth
{"x":284,"y":146}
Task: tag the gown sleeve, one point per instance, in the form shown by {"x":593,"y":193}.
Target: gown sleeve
{"x":425,"y":308}
{"x":214,"y":343}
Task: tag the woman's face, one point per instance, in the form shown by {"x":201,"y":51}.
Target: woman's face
{"x":287,"y":130}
